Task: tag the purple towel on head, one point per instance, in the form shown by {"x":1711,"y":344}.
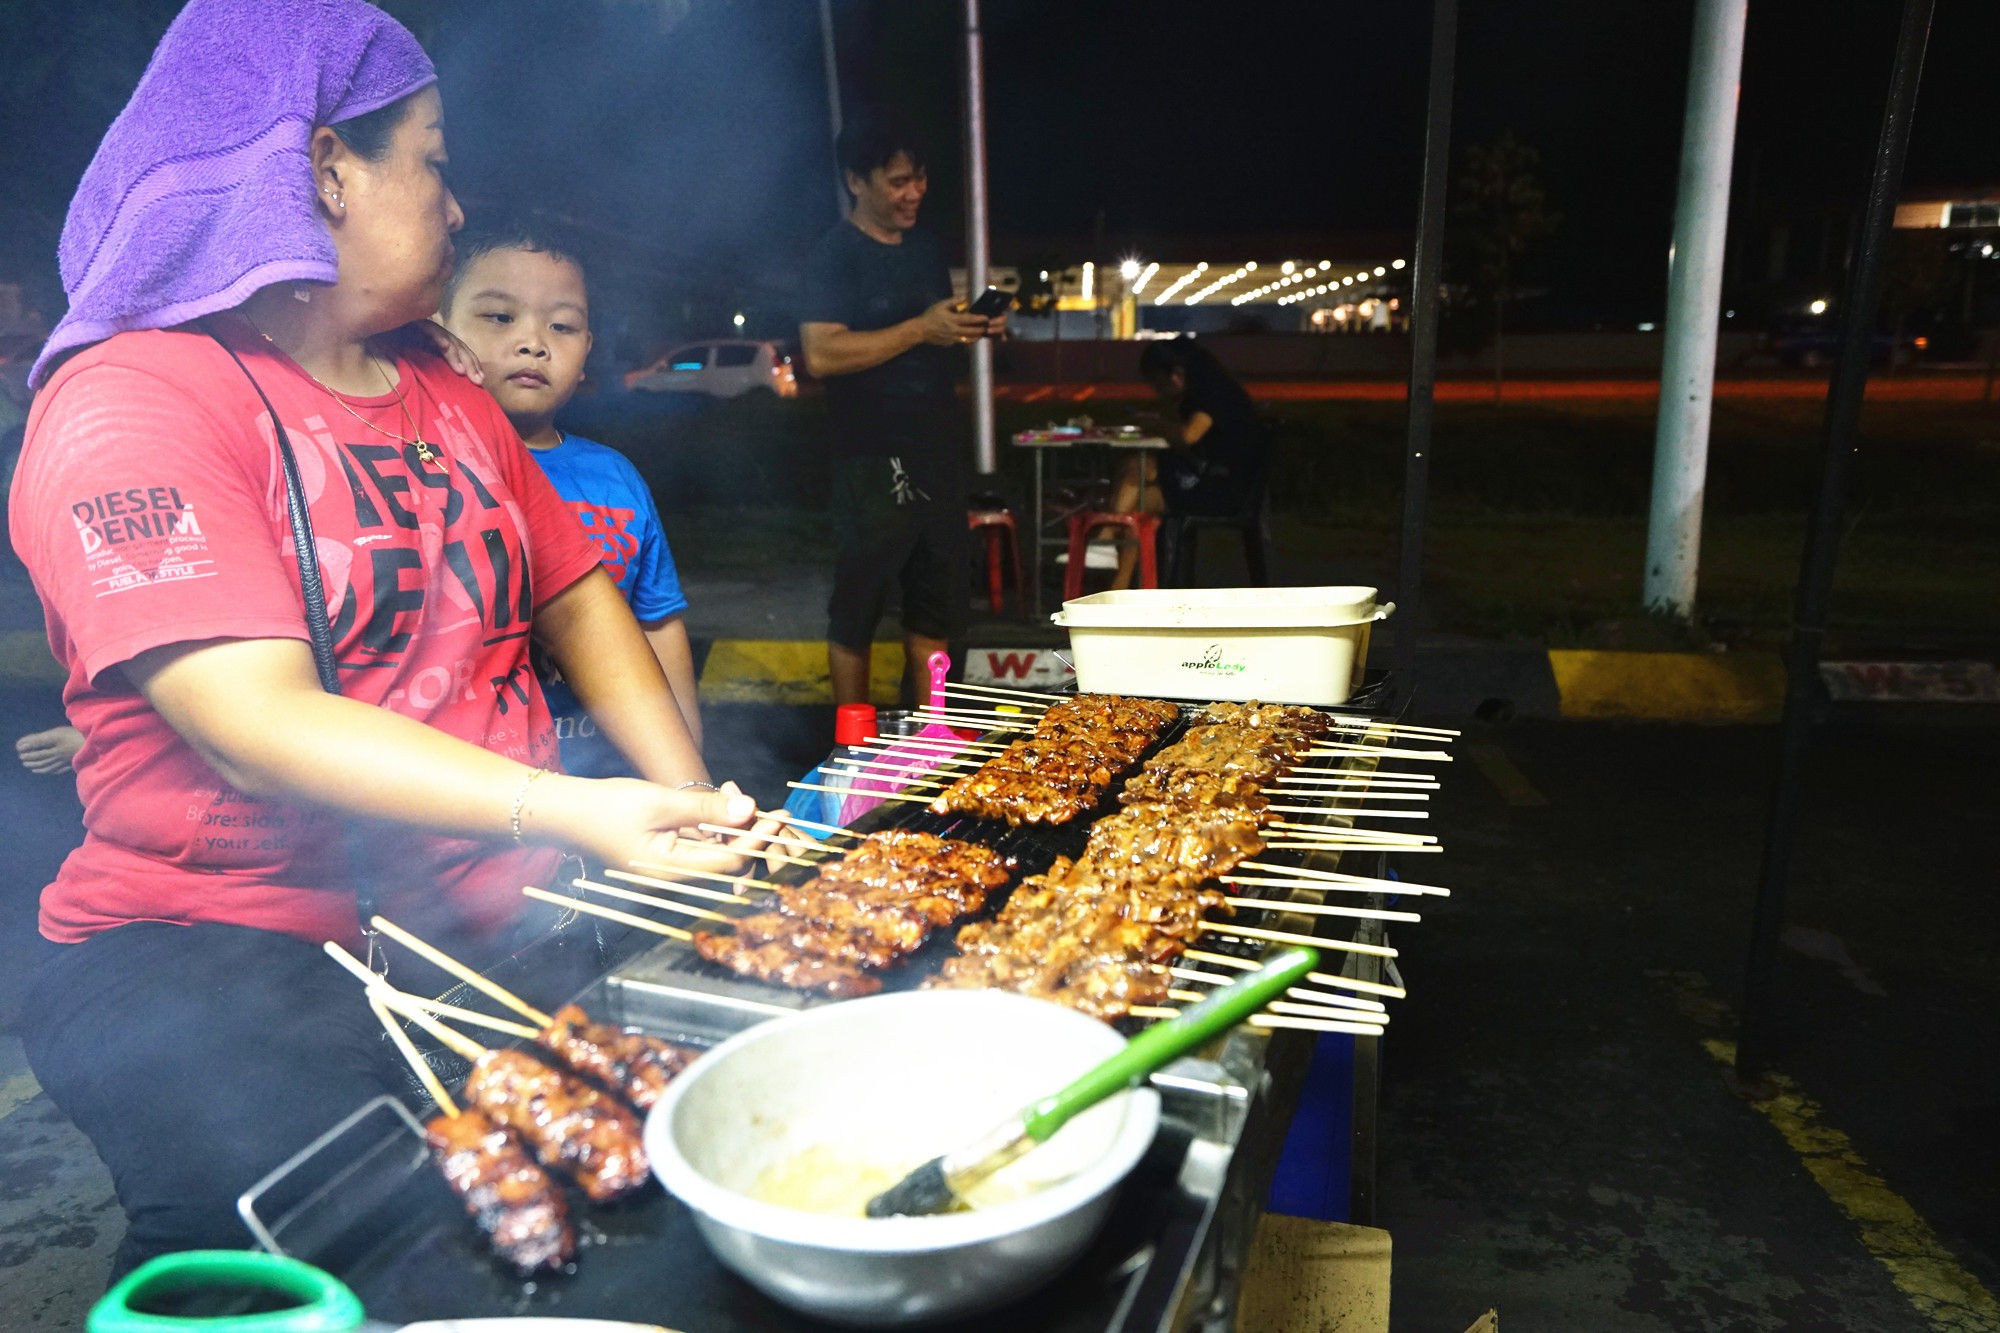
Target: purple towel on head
{"x":202,"y":190}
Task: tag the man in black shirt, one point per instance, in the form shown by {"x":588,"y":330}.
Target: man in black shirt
{"x":879,"y":326}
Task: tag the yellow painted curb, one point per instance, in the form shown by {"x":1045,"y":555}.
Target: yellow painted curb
{"x":1670,"y":687}
{"x":789,"y":671}
{"x":25,"y":656}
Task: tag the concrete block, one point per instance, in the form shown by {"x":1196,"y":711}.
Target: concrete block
{"x":1672,"y":687}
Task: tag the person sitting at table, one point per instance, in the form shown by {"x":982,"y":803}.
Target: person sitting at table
{"x":1216,"y":445}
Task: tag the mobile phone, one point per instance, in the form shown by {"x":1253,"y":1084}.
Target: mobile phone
{"x":991,"y":302}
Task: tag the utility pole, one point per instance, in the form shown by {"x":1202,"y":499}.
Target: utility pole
{"x":1426,"y":274}
{"x":985,"y":459}
{"x":1694,"y":308}
{"x":1755,"y":1038}
{"x":831,"y":59}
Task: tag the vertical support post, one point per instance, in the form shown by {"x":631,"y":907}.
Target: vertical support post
{"x":1694,"y":308}
{"x":985,"y":458}
{"x":1862,"y":300}
{"x":1426,"y":274}
{"x":831,"y":59}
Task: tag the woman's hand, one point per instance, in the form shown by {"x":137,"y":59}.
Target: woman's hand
{"x":623,"y":821}
{"x":435,"y":337}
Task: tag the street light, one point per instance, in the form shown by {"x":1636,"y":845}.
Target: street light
{"x":1817,"y":307}
{"x":1129,"y":269}
{"x":738,"y":321}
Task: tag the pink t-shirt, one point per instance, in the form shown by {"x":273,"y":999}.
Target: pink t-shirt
{"x":149,"y":507}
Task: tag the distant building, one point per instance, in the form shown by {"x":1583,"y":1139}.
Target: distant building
{"x":1952,"y":210}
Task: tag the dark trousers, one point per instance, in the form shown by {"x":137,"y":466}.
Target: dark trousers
{"x":196,"y":1059}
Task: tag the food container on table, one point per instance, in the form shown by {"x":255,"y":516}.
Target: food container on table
{"x":1281,"y":645}
{"x":892,"y":1081}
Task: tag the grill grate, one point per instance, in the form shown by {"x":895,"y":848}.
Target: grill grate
{"x":1034,"y":846}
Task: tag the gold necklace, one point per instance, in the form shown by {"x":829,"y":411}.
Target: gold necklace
{"x":423,"y":446}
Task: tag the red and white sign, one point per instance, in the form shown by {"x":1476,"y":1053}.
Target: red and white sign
{"x":1912,"y":682}
{"x":1029,"y":668}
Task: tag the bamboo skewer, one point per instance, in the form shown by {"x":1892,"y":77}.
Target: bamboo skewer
{"x":934,"y":758}
{"x":1342,"y":795}
{"x":694,"y":889}
{"x":829,"y":829}
{"x":456,"y":1042}
{"x":1343,"y":810}
{"x":1297,"y":992}
{"x":1321,"y":978}
{"x":461,"y":971}
{"x":608,"y":913}
{"x":418,"y":1065}
{"x":1267,"y":1021}
{"x":1273,"y":881}
{"x":1351,"y":834}
{"x":1014,"y":722}
{"x":1325,"y":881}
{"x":1324,"y":909}
{"x":1009,"y":714}
{"x":1385,"y":885}
{"x":957,"y":745}
{"x":1328,"y":777}
{"x":1030,"y":698}
{"x":849,"y":791}
{"x":1310,"y":1025}
{"x":805,"y":844}
{"x":632,"y":896}
{"x":916,"y":777}
{"x":1338,"y":1012}
{"x":472,"y":1016}
{"x":1350,"y":847}
{"x":1324,"y":751}
{"x":1288,"y":937}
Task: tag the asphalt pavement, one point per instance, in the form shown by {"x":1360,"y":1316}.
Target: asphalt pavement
{"x":1560,"y":1137}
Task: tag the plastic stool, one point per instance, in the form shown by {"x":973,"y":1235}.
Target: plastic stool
{"x":1146,"y":527}
{"x":1002,"y":534}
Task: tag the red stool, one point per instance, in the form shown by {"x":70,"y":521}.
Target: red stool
{"x":1146,"y":527}
{"x":1002,"y":534}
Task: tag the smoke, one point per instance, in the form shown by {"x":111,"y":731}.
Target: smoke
{"x":686,"y":144}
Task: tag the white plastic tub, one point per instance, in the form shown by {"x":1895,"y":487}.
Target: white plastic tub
{"x":1282,"y":645}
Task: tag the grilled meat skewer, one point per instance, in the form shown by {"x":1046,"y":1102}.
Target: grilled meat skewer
{"x":636,"y":1066}
{"x":566,"y":1123}
{"x":517,"y":1205}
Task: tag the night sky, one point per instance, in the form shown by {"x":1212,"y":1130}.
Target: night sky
{"x":691,"y":138}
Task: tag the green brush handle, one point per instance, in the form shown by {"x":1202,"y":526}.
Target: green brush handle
{"x":1168,"y":1041}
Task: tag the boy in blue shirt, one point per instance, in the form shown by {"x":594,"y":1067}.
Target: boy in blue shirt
{"x":519,"y":300}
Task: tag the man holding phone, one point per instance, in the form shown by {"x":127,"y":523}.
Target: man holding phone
{"x":880,"y":326}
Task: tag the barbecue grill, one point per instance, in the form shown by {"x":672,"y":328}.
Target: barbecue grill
{"x":366,"y":1203}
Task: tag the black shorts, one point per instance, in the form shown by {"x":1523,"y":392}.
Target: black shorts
{"x":1191,"y":485}
{"x":920,"y":543}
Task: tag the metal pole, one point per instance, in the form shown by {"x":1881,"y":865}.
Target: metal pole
{"x":841,"y":201}
{"x":1694,"y":308}
{"x":1754,"y":1041}
{"x":985,"y":459}
{"x":1426,"y":273}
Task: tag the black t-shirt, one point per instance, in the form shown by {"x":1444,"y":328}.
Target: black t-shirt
{"x":907,"y":405}
{"x":1236,"y":442}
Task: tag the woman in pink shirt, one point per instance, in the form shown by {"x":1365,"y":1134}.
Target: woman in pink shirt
{"x":267,"y":209}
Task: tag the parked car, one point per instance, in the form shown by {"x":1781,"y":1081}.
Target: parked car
{"x":722,"y":368}
{"x":1814,"y":347}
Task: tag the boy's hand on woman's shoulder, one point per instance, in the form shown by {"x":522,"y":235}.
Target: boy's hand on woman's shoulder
{"x":432,"y":336}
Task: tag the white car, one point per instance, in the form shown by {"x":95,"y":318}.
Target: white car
{"x":723,"y":368}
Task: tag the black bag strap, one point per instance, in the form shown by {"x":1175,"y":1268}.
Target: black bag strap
{"x":318,"y":628}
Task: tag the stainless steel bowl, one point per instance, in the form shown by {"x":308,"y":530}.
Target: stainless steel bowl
{"x":890,"y":1082}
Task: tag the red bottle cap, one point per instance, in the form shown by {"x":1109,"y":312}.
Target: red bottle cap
{"x":853,"y":723}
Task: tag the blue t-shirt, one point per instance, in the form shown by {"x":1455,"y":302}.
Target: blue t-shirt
{"x":610,"y":499}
